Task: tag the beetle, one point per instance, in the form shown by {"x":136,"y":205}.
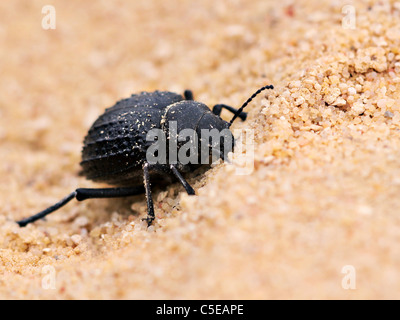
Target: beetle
{"x":115,"y":150}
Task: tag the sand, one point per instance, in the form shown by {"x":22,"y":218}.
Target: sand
{"x":318,"y":217}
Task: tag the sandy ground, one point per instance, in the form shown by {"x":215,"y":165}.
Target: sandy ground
{"x":317,"y":218}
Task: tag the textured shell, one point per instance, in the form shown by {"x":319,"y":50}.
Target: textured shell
{"x":115,"y":146}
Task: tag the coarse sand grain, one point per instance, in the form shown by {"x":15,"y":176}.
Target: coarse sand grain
{"x":317,"y":217}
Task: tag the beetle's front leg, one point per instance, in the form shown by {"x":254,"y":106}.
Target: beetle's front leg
{"x":182,"y":180}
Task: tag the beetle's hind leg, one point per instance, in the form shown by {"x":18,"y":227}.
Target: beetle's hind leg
{"x":83,"y":194}
{"x":217,"y":109}
{"x":86,"y":193}
{"x":42,"y":214}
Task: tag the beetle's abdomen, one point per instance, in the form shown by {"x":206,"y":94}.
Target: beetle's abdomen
{"x":114,"y":148}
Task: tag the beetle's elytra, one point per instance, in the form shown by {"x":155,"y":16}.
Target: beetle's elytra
{"x":115,"y":150}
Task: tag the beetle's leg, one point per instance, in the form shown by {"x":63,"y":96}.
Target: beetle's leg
{"x":42,"y":214}
{"x":218,"y":108}
{"x":83,"y":194}
{"x":182,"y":180}
{"x":147,"y":186}
{"x":188,"y":94}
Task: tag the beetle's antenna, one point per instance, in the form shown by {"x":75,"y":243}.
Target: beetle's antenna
{"x":239,"y":111}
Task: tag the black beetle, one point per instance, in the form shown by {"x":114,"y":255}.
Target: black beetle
{"x":115,"y":147}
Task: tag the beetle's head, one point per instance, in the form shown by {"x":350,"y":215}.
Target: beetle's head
{"x":215,"y":136}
